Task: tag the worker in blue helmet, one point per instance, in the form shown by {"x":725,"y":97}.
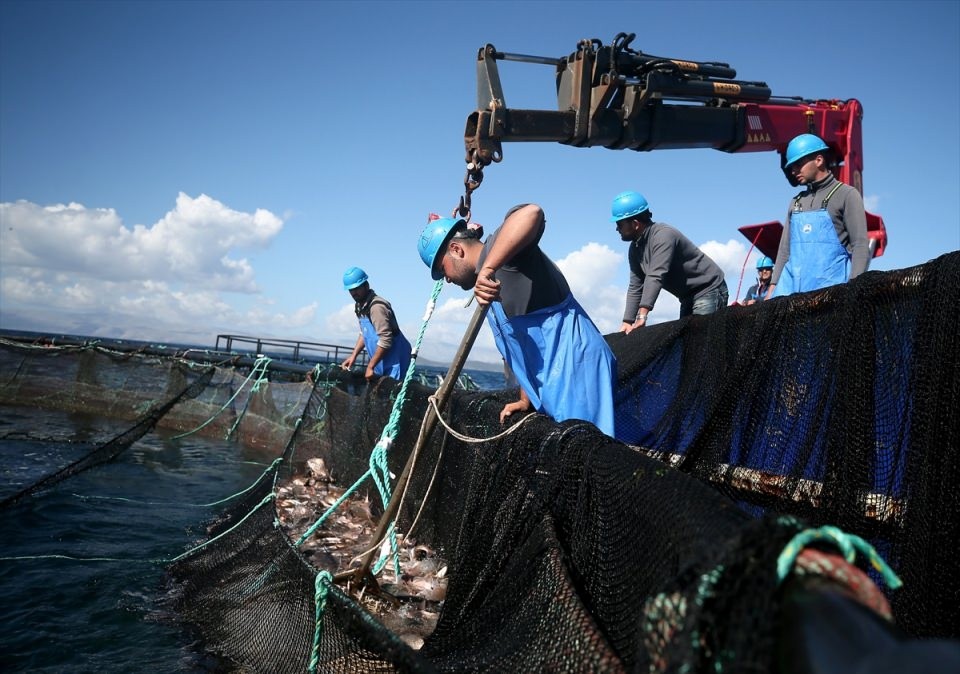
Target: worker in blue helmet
{"x":388,"y":350}
{"x":561,"y":361}
{"x":661,"y":258}
{"x":758,"y":291}
{"x":824,"y":240}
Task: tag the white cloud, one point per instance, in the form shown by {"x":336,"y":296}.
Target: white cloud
{"x":341,"y":326}
{"x":871,"y":202}
{"x":80,"y":295}
{"x":732,"y":259}
{"x":69,"y":268}
{"x":447,"y":327}
{"x":729,"y":256}
{"x":24,"y":290}
{"x":299,"y":318}
{"x":193,"y":243}
{"x":590,"y":272}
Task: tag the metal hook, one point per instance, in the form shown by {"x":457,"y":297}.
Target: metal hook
{"x":463,"y":210}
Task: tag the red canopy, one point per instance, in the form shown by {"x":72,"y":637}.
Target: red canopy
{"x":765,"y":236}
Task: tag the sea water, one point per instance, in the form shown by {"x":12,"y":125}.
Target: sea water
{"x":82,"y":574}
{"x":82,"y":563}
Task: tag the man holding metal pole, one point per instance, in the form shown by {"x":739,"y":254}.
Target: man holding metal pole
{"x":563,"y":364}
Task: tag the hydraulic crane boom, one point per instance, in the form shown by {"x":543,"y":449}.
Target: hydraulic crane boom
{"x":616,"y":97}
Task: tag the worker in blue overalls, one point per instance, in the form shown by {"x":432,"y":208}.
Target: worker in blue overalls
{"x":387,"y":348}
{"x":824,"y":239}
{"x":562,"y":363}
{"x":758,"y":291}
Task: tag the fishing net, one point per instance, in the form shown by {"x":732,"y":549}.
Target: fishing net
{"x":569,"y":551}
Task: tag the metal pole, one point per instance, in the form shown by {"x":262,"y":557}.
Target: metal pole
{"x":430,"y":423}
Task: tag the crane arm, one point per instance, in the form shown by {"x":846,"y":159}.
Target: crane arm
{"x":616,"y":97}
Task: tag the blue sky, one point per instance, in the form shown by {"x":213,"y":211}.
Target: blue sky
{"x":174,"y":170}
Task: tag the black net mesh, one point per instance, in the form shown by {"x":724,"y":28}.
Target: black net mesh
{"x":569,"y":551}
{"x":837,"y":406}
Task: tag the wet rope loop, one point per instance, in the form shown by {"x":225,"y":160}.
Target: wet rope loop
{"x":466,"y":438}
{"x":848,"y":544}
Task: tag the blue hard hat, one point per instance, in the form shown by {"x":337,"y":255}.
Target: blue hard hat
{"x":432,"y":238}
{"x":626,"y":205}
{"x":802,"y":146}
{"x":764,"y":263}
{"x":354,"y":277}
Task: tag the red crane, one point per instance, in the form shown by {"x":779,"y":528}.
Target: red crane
{"x":616,"y":97}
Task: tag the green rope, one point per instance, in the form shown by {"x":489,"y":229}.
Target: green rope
{"x":261,"y":377}
{"x":849,"y":545}
{"x":378,"y":457}
{"x":253,"y":484}
{"x":266,"y":499}
{"x":327,"y":384}
{"x":321,"y":587}
{"x":336,"y":504}
{"x":253,"y":371}
{"x":378,"y":469}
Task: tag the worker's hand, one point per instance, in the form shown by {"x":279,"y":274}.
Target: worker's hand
{"x":626,"y":327}
{"x":370,"y":373}
{"x":487,"y":287}
{"x":634,"y":326}
{"x":348,"y":363}
{"x":518,"y":406}
{"x":749,"y":302}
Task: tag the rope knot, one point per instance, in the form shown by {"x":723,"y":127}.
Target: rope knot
{"x":848,"y":544}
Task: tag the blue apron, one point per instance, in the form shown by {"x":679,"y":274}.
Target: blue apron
{"x":560,"y":360}
{"x":817,"y":258}
{"x":756,"y":293}
{"x":395,"y":361}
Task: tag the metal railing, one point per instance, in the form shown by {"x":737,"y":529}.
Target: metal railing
{"x":297,"y":351}
{"x":309,"y":353}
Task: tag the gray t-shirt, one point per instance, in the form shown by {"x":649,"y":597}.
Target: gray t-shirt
{"x":664,"y":258}
{"x":529,"y":280}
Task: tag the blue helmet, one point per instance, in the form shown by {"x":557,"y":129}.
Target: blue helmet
{"x":802,"y":146}
{"x":626,"y":205}
{"x":432,"y":238}
{"x":354,"y":277}
{"x":764,"y":263}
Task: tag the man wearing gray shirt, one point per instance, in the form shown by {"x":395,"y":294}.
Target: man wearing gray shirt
{"x":661,"y":257}
{"x":824,"y":240}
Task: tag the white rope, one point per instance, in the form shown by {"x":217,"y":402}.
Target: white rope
{"x":466,"y":438}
